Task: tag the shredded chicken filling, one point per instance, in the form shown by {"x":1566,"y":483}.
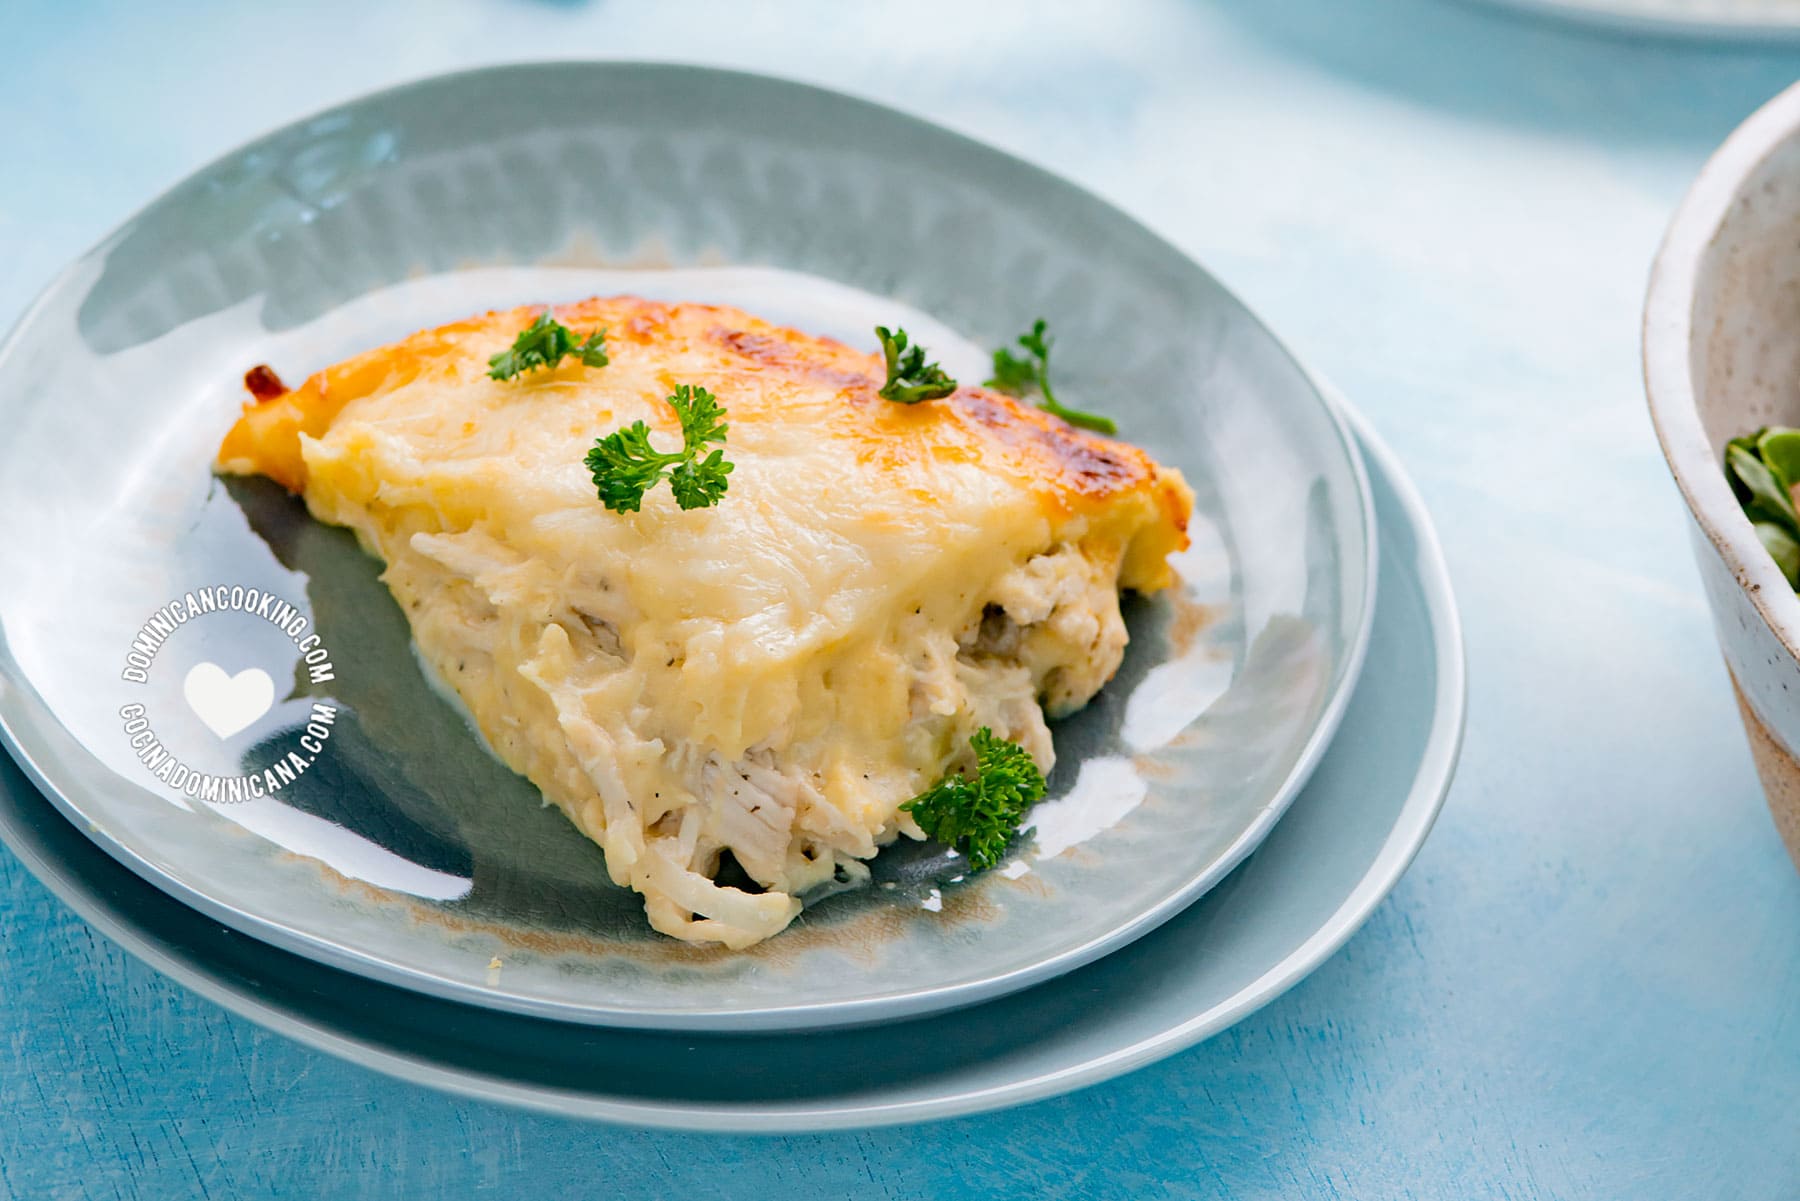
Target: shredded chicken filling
{"x":1045,"y":639}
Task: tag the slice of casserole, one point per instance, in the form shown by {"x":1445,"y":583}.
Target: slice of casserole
{"x":769,"y":678}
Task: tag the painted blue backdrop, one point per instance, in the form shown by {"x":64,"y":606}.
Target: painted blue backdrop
{"x":1589,"y":984}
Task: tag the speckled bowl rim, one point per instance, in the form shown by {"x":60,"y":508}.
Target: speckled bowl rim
{"x":1668,"y":361}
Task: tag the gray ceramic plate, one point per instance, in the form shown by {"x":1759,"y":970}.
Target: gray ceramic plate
{"x":1337,"y":853}
{"x":404,"y":852}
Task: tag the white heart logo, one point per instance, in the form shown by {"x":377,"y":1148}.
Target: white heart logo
{"x":225,"y":703}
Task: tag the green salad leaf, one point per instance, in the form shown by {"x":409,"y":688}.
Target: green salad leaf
{"x":1762,"y":468}
{"x":1779,"y":448}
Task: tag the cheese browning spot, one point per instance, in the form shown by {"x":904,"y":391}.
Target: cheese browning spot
{"x":262,"y":382}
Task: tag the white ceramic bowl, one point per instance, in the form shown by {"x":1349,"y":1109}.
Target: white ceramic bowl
{"x":1721,"y":358}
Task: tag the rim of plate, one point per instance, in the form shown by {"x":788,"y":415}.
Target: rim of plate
{"x":805,"y":1016}
{"x":1727,"y":20}
{"x":1430,"y":785}
{"x":1668,"y":333}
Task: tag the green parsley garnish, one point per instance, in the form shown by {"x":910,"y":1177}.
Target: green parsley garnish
{"x":626,"y":466}
{"x":545,"y":343}
{"x":1017,"y":376}
{"x":910,"y":378}
{"x":980,"y":814}
{"x":1763,"y":468}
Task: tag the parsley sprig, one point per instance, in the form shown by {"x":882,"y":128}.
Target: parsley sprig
{"x":626,"y":466}
{"x":980,"y":813}
{"x":910,"y":378}
{"x":1017,"y":376}
{"x":1763,"y":468}
{"x":545,"y":343}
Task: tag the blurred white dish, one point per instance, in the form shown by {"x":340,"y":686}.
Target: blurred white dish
{"x":1741,"y":19}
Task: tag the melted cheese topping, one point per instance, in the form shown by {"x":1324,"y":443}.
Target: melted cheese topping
{"x":770,"y":678}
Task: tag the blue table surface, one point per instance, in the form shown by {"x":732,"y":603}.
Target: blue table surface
{"x":1589,"y":983}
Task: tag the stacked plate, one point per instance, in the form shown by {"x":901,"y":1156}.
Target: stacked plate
{"x":407,"y":901}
